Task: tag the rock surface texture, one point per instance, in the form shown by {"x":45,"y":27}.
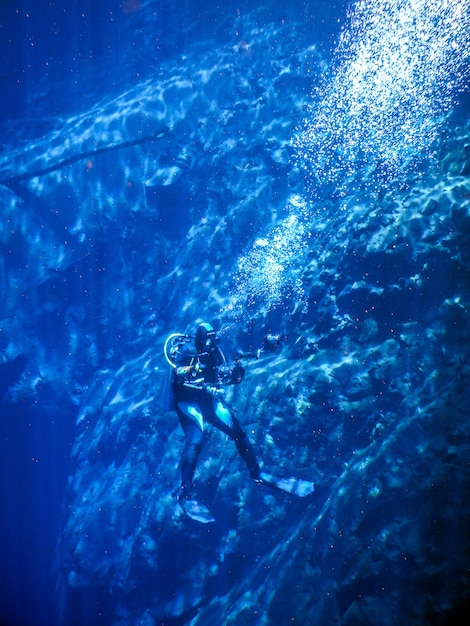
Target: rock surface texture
{"x":192,"y":202}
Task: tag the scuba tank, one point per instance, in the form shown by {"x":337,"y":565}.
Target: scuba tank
{"x":170,"y":351}
{"x":185,"y":365}
{"x":172,"y":346}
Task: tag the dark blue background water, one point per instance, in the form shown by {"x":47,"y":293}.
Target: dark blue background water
{"x":101,"y":260}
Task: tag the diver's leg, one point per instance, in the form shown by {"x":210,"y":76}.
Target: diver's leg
{"x":245,"y":449}
{"x":192,"y":448}
{"x":229,"y":425}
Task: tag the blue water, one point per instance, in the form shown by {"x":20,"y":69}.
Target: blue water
{"x":299,"y":168}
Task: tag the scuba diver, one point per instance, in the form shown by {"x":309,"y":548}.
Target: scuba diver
{"x":199,"y":378}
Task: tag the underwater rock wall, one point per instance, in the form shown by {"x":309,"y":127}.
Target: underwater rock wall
{"x":104,"y":256}
{"x":369,"y":398}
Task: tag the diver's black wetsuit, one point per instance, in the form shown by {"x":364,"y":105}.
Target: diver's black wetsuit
{"x":195,"y":404}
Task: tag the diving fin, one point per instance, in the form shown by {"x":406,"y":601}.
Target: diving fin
{"x":197,"y":511}
{"x":296,"y":486}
